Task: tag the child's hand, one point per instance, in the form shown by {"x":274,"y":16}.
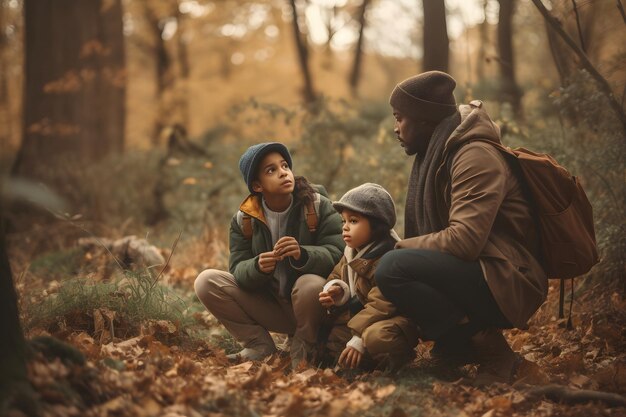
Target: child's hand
{"x":350,"y":357}
{"x":287,"y":246}
{"x":331,"y":297}
{"x":267,"y":262}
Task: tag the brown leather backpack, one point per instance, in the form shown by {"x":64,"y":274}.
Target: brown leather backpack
{"x":563,"y":213}
{"x":563,"y":216}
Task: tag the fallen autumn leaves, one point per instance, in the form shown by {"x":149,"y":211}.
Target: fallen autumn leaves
{"x":143,"y":377}
{"x":117,"y":368}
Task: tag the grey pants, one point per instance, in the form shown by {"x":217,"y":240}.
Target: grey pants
{"x":249,"y":316}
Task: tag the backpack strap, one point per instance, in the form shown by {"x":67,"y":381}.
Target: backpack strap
{"x":245,"y":223}
{"x":311,"y":209}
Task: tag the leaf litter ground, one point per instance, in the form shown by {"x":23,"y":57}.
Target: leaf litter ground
{"x":154,"y":372}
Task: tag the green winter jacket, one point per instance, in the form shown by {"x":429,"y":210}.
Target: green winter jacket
{"x":321,"y":250}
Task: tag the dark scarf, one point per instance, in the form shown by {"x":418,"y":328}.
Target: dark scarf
{"x":421,"y":214}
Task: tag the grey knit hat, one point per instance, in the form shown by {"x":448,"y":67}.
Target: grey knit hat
{"x":250,"y":159}
{"x":371,"y":200}
{"x":427,"y":96}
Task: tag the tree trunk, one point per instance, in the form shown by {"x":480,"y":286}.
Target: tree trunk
{"x":184,"y":70}
{"x":5,"y":107}
{"x":303,"y":56}
{"x":328,"y":60}
{"x":181,"y":44}
{"x":355,"y":74}
{"x":74,"y":101}
{"x":508,"y":85}
{"x":172,"y":68}
{"x":12,"y":345}
{"x":163,"y":70}
{"x":436,"y":43}
{"x":482,"y":46}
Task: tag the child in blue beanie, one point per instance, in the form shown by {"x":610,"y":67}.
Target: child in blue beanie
{"x":284,"y":239}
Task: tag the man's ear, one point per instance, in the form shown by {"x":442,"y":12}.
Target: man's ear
{"x":256,"y":187}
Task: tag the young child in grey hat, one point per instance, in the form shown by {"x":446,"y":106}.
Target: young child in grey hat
{"x":364,"y":323}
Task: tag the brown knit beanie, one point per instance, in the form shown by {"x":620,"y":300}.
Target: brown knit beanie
{"x":427,"y":96}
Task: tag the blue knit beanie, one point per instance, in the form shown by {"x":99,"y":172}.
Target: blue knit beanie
{"x":250,"y":159}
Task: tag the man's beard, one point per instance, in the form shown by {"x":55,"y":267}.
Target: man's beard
{"x":418,"y":147}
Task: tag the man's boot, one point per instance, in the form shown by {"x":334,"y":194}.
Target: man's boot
{"x":454,"y":348}
{"x":497,"y":361}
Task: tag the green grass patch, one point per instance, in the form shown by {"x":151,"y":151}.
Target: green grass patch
{"x":134,"y":298}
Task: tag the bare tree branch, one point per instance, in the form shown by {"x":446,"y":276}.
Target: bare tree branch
{"x":584,"y":60}
{"x":355,"y":74}
{"x":580,"y":31}
{"x":621,"y":10}
{"x":303,"y":56}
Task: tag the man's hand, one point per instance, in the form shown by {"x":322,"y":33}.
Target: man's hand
{"x":331,"y":297}
{"x":267,"y":262}
{"x":287,"y":246}
{"x":350,"y":357}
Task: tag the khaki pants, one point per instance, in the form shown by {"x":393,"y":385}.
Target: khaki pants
{"x":394,"y":338}
{"x":390,"y":339}
{"x":249,"y":316}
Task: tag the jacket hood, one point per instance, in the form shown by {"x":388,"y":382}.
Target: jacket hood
{"x":475,"y":123}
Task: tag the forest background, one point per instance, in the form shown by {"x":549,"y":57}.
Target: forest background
{"x":122,"y":121}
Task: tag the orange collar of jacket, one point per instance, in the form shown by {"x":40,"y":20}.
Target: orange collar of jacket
{"x":252,"y":206}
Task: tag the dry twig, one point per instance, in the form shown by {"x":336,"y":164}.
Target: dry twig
{"x":580,"y":30}
{"x":567,"y":395}
{"x":167,"y":262}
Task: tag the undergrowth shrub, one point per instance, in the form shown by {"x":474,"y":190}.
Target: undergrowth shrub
{"x":134,"y":298}
{"x":112,"y":190}
{"x":346,"y":145}
{"x":340,"y":146}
